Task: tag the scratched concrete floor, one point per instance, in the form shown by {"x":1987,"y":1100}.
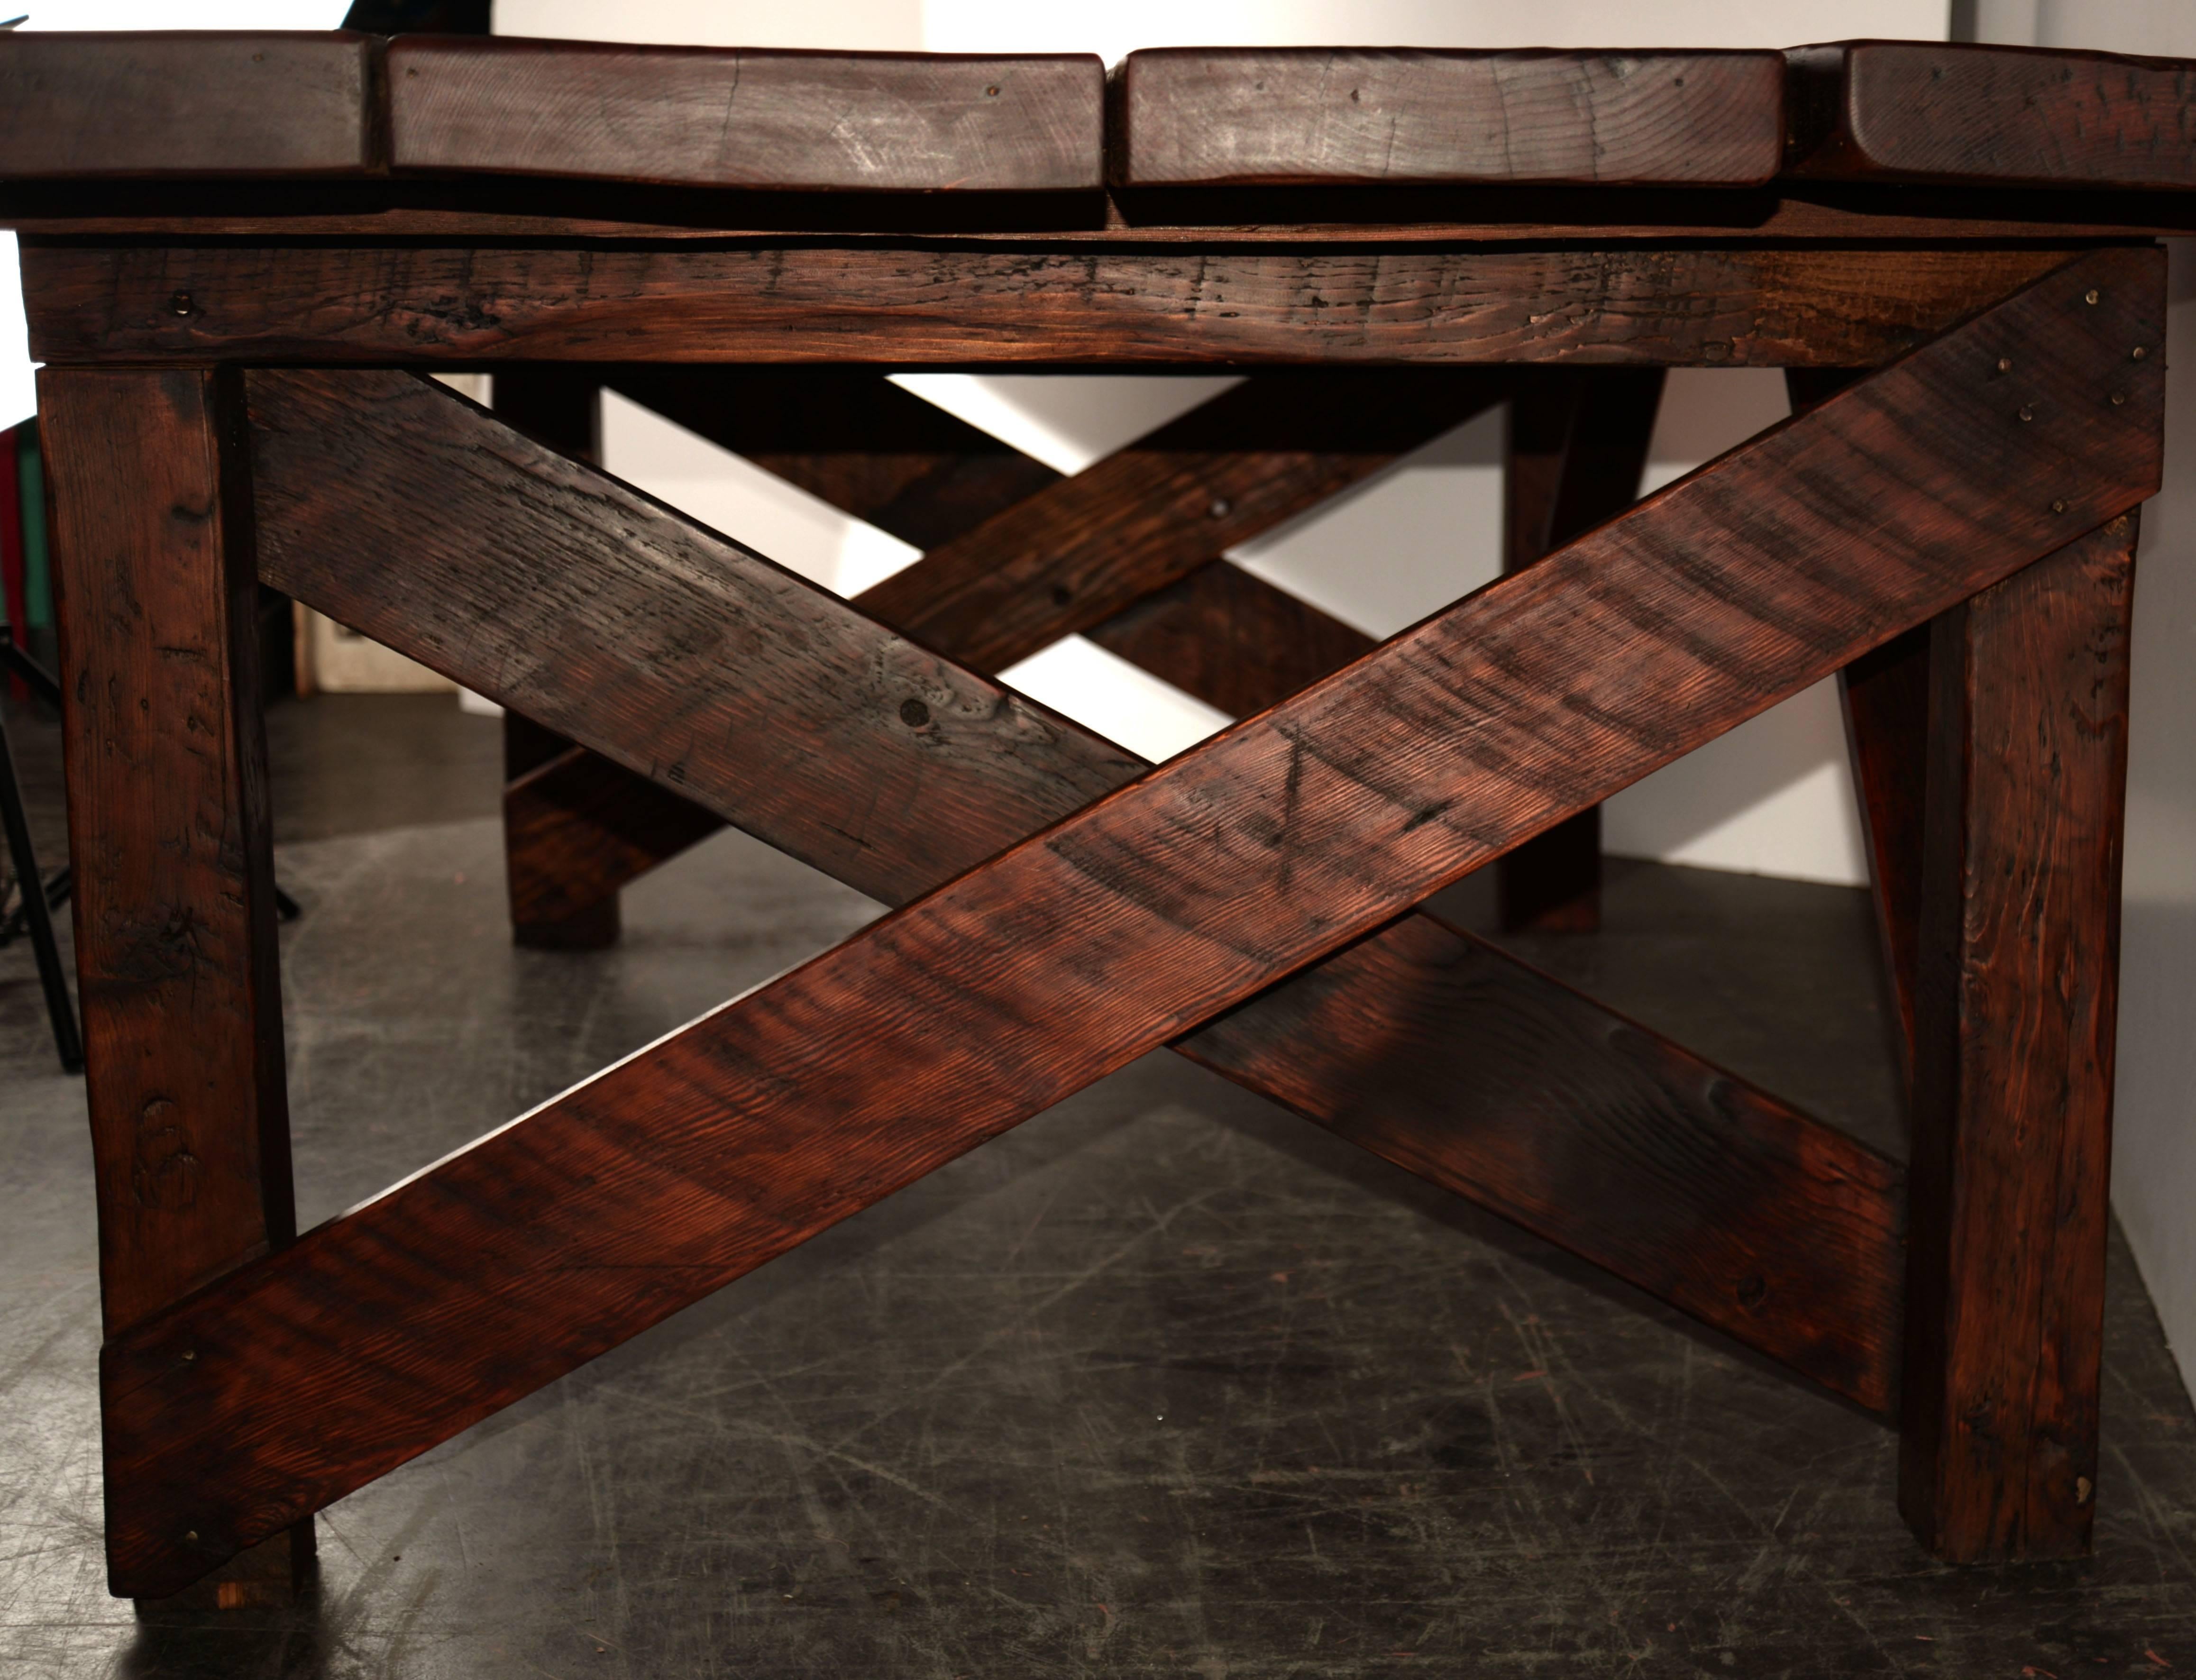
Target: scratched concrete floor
{"x":1165,"y":1383}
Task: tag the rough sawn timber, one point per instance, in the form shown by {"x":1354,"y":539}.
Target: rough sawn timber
{"x":1316,"y":116}
{"x":351,"y":542}
{"x":1137,"y":918}
{"x":320,"y":304}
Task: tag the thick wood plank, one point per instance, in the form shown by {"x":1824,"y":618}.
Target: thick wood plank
{"x":1231,"y":639}
{"x":1313,"y":115}
{"x":1136,"y":920}
{"x":332,"y":304}
{"x":748,"y":118}
{"x":174,"y":885}
{"x":1576,"y":448}
{"x":1259,"y":453}
{"x":183,"y":103}
{"x":2014,"y":1057}
{"x":346,"y":539}
{"x":1932,"y":111}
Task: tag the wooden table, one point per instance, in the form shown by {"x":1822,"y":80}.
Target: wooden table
{"x":240,"y":251}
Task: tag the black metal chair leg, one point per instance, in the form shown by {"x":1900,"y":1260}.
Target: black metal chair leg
{"x":37,"y":919}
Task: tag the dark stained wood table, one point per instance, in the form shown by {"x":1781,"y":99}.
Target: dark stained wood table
{"x":240,"y":252}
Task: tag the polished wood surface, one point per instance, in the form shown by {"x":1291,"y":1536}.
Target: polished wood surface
{"x":1991,"y":116}
{"x":749,"y":117}
{"x":1289,"y":836}
{"x":2013,"y":1082}
{"x":1226,"y":116}
{"x":1769,"y":307}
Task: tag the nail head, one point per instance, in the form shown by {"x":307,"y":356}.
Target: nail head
{"x":180,"y":303}
{"x":2058,"y":507}
{"x":2027,"y":412}
{"x":2090,"y":296}
{"x":1221,"y":508}
{"x":2140,"y":352}
{"x":2118,"y":397}
{"x":2005,"y":364}
{"x":189,"y":1354}
{"x":190,"y":1536}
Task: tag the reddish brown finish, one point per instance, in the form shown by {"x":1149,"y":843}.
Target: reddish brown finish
{"x":168,"y":823}
{"x":1287,"y":837}
{"x":718,"y":118}
{"x":1576,"y":448}
{"x":576,"y":828}
{"x":196,"y":102}
{"x":2014,"y":1057}
{"x":327,"y":304}
{"x":1833,"y":1322}
{"x":1316,"y":116}
{"x":1886,"y":695}
{"x":1231,"y":639}
{"x":1436,"y":1051}
{"x":1991,"y":116}
{"x":1071,"y":556}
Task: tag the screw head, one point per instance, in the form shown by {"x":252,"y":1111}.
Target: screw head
{"x":190,"y":1536}
{"x":2090,"y":296}
{"x":2118,"y":397}
{"x":2005,"y":364}
{"x":189,"y":1354}
{"x":2139,"y":353}
{"x":1221,"y":508}
{"x":913,"y":714}
{"x":179,"y":303}
{"x":992,"y":92}
{"x":2027,"y":412}
{"x":2059,"y":507}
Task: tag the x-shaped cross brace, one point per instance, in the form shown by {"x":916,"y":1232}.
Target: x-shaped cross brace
{"x":1067,"y":913}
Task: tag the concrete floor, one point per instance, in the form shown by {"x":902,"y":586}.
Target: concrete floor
{"x":1165,"y":1383}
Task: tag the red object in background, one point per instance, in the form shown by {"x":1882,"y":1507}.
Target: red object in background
{"x":11,"y":548}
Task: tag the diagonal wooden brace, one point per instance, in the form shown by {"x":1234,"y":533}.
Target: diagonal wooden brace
{"x":451,"y":580}
{"x":1140,"y":917}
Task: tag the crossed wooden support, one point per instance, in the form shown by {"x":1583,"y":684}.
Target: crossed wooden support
{"x":1063,"y":909}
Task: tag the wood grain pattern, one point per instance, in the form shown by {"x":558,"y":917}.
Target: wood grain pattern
{"x":1989,"y":115}
{"x":184,"y":103}
{"x":348,"y":523}
{"x":174,"y":885}
{"x":1577,"y":445}
{"x":1128,"y":924}
{"x":2014,"y":1058}
{"x":1231,"y":639}
{"x":746,"y":117}
{"x":1233,"y":468}
{"x":1213,"y":116}
{"x":576,"y":828}
{"x":327,"y":305}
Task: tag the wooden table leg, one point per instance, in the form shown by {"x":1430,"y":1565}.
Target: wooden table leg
{"x":561,"y":406}
{"x":2014,"y":1057}
{"x":1577,"y":445}
{"x":168,"y":833}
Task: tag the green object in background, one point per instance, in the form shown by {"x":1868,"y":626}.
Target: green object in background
{"x":38,"y":570}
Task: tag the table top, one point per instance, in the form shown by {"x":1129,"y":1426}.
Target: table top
{"x":317,"y":134}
